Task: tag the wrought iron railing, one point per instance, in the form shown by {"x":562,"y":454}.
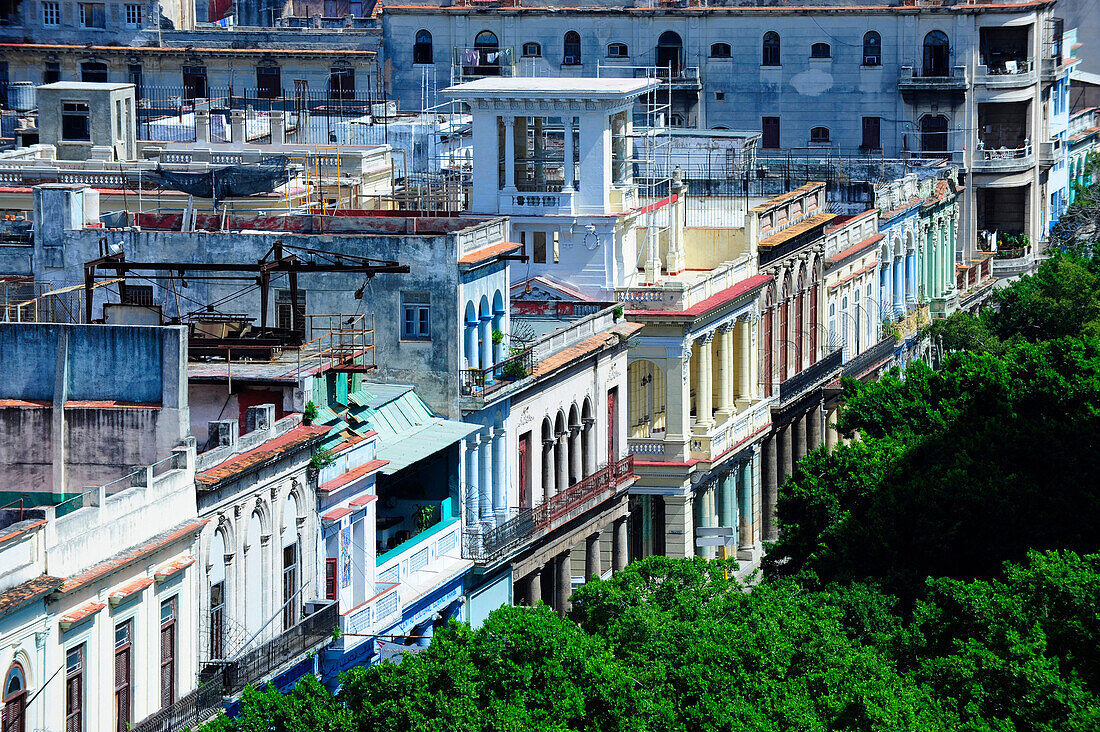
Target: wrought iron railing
{"x":810,"y":377}
{"x":873,"y":355}
{"x":528,"y":523}
{"x":187,"y":712}
{"x":486,"y":380}
{"x":253,"y":666}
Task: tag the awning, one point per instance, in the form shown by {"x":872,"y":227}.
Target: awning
{"x":423,"y":441}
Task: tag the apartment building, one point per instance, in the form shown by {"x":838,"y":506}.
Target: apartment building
{"x":974,"y":83}
{"x":99,"y":590}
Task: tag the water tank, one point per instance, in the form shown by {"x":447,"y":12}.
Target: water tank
{"x":21,"y":96}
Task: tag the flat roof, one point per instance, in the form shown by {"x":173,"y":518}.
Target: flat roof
{"x":86,"y":86}
{"x":540,"y":86}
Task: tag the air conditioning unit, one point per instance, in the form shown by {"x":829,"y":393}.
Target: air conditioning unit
{"x":571,"y":61}
{"x":871,"y":61}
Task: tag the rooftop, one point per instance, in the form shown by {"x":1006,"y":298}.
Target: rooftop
{"x":541,"y":86}
{"x":85,"y":85}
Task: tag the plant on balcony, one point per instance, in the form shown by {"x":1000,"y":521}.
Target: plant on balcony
{"x":309,"y":414}
{"x":890,"y":328}
{"x":498,"y":337}
{"x":514,"y":370}
{"x":424,"y":517}
{"x":319,"y":459}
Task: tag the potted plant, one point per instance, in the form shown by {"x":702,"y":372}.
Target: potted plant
{"x":309,"y":414}
{"x":498,"y":337}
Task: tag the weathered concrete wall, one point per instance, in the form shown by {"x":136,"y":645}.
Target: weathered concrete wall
{"x":85,"y":403}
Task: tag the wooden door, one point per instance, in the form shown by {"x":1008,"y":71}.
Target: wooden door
{"x":524,"y":450}
{"x":612,"y":426}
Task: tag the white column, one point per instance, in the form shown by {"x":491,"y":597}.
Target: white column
{"x":590,"y":447}
{"x":744,"y":362}
{"x":548,"y":488}
{"x":473,"y":467}
{"x":486,"y":327}
{"x":509,"y":153}
{"x":575,"y":453}
{"x":569,"y":154}
{"x":704,"y":416}
{"x":725,"y":373}
{"x":485,"y":482}
{"x":500,"y":478}
{"x":562,"y":460}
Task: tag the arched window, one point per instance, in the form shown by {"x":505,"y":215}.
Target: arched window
{"x":813,"y":314}
{"x":870,"y":313}
{"x":937,"y":55}
{"x":571,"y":49}
{"x":933,"y":135}
{"x":291,"y":562}
{"x":857,"y":321}
{"x":617,"y":50}
{"x":844,"y":325}
{"x":820,"y":50}
{"x":766,"y":341}
{"x":670,"y":49}
{"x":872,"y":49}
{"x":15,"y":700}
{"x":832,"y":326}
{"x":784,"y":329}
{"x":484,"y":54}
{"x":770,"y":49}
{"x":532,"y":49}
{"x":721,"y":50}
{"x":799,"y":321}
{"x":422,"y":48}
{"x":819,"y":134}
{"x":216,"y":578}
{"x":646,"y":407}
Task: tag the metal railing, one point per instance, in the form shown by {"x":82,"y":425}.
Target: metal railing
{"x":530,"y":522}
{"x":873,"y":355}
{"x":484,"y":381}
{"x":253,"y":666}
{"x":188,"y":711}
{"x":810,"y":377}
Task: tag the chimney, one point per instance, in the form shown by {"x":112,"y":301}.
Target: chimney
{"x":261,"y":418}
{"x":222,"y":433}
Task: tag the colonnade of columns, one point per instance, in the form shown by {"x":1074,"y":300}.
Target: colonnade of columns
{"x":568,"y":456}
{"x":552,"y":582}
{"x":782,"y":449}
{"x":729,"y":501}
{"x":486,"y":478}
{"x":479,"y":349}
{"x":723,"y":375}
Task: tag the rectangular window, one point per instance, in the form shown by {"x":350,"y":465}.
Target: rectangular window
{"x":51,"y":14}
{"x":123,"y":704}
{"x":290,"y":586}
{"x":168,"y":652}
{"x":52,"y":72}
{"x":871,"y":140}
{"x":74,"y":121}
{"x":93,"y":15}
{"x":416,"y":316}
{"x":194,"y":82}
{"x":137,"y":294}
{"x":341,"y":83}
{"x":74,"y":690}
{"x":330,"y":578}
{"x":269,"y":82}
{"x":133,"y":75}
{"x":555,"y":247}
{"x":133,"y":15}
{"x":217,"y":620}
{"x":540,"y":247}
{"x":769,"y":126}
{"x":283,"y":312}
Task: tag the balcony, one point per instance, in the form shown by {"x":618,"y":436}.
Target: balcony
{"x":478,"y":63}
{"x":189,"y":711}
{"x":728,"y":435}
{"x":810,"y":378}
{"x":531,"y":523}
{"x":309,"y":635}
{"x":911,"y":81}
{"x":483,"y":382}
{"x":1006,"y":75}
{"x":1051,"y":70}
{"x":1003,"y":159}
{"x":916,"y":319}
{"x":870,"y":359}
{"x":681,"y":291}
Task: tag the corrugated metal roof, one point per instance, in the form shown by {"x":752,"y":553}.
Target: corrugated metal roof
{"x":423,"y":441}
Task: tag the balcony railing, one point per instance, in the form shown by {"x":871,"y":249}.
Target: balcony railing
{"x":808,"y":378}
{"x":255,"y":665}
{"x":1003,"y":159}
{"x":532,"y":522}
{"x":477,"y":63}
{"x":877,"y":353}
{"x":485,"y":381}
{"x":912,"y":80}
{"x":188,"y":711}
{"x":1006,"y":74}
